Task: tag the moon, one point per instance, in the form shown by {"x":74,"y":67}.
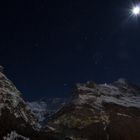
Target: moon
{"x":136,"y":10}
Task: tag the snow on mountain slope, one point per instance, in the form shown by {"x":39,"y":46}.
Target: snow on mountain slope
{"x":10,"y":99}
{"x":39,"y":109}
{"x":14,"y":113}
{"x":46,"y":107}
{"x":117,"y":93}
{"x":14,"y":136}
{"x":99,"y":112}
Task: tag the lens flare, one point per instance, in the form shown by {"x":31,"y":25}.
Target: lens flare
{"x":136,"y":10}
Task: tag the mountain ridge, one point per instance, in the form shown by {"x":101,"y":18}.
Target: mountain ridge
{"x":99,"y":108}
{"x":94,"y":111}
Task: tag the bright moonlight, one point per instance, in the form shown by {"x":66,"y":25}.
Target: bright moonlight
{"x":136,"y":10}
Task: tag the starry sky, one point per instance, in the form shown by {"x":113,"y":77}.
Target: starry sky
{"x":46,"y":46}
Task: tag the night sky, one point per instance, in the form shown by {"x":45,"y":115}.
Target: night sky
{"x":46,"y":46}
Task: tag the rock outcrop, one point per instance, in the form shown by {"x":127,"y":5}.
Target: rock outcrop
{"x":14,"y":113}
{"x":100,"y":112}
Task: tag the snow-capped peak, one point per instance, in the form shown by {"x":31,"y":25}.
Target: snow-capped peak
{"x":122,"y":95}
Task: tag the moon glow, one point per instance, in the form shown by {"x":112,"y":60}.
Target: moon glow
{"x":136,"y":10}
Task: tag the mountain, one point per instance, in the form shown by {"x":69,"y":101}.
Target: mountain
{"x":46,"y":107}
{"x":99,"y":112}
{"x":14,"y":113}
{"x":39,"y":109}
{"x":93,"y":112}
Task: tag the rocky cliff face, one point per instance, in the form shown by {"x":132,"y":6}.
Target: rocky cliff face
{"x":14,"y":114}
{"x":100,"y":112}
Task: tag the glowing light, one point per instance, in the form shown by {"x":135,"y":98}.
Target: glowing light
{"x":136,"y":10}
